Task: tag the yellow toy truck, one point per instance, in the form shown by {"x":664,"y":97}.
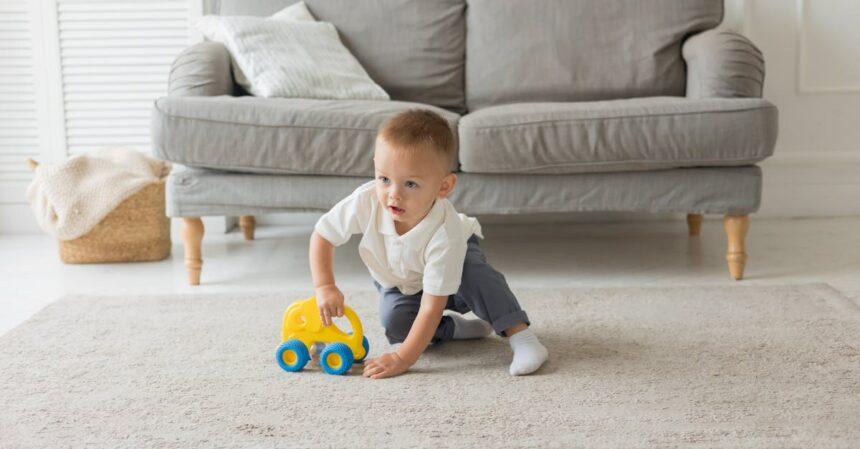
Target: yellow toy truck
{"x":303,"y":330}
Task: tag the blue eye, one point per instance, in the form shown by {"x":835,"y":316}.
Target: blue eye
{"x":384,"y":179}
{"x":411,"y":184}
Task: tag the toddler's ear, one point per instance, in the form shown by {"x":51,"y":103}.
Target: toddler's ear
{"x":447,"y":186}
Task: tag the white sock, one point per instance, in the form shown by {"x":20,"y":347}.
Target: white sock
{"x":465,"y":329}
{"x":529,"y":353}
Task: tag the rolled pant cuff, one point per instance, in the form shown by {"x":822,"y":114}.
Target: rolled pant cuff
{"x":506,"y":321}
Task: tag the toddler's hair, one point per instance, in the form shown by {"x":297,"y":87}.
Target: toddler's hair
{"x":420,"y":129}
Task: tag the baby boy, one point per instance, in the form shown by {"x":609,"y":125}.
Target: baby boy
{"x":423,"y":255}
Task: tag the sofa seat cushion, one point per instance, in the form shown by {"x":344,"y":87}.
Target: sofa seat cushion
{"x":617,"y":135}
{"x":274,"y":135}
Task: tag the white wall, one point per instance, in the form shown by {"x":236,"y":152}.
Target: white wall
{"x":812,"y":53}
{"x":79,"y":95}
{"x":812,"y":50}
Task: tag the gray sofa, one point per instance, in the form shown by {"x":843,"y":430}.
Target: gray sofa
{"x":559,"y":106}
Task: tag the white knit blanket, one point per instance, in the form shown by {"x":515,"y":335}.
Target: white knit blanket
{"x":70,"y":198}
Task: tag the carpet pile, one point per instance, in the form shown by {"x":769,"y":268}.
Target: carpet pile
{"x":716,"y":367}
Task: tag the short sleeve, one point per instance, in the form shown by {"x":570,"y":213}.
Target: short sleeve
{"x":347,"y":217}
{"x":443,"y":269}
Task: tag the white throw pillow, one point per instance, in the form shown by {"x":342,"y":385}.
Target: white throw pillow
{"x":291,"y":58}
{"x":298,"y":11}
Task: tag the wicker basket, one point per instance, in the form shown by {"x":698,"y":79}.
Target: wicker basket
{"x":136,"y":231}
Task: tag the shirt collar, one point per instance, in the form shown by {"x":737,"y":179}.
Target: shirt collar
{"x":431,"y":221}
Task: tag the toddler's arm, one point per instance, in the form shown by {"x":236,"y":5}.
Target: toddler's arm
{"x":423,"y":328}
{"x":329,"y":297}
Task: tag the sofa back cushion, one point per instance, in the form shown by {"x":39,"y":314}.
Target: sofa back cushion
{"x":414,"y":49}
{"x":579,"y":50}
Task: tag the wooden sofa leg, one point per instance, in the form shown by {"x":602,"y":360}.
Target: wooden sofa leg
{"x":248,"y":223}
{"x":192,"y":238}
{"x":694,"y":224}
{"x":736,"y":230}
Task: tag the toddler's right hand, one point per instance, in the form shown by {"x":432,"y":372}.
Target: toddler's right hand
{"x":330,"y":302}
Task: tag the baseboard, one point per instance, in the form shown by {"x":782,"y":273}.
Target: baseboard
{"x":795,"y":185}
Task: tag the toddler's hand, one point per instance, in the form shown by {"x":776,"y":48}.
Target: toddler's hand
{"x":387,"y":365}
{"x":330,"y":302}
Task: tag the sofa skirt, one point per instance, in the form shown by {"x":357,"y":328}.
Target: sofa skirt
{"x":194,"y":192}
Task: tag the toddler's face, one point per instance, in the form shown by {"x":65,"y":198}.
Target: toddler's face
{"x":408,"y":182}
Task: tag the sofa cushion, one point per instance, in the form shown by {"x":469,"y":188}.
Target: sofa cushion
{"x":617,"y":135}
{"x":414,"y":49}
{"x":579,"y":50}
{"x":274,"y":135}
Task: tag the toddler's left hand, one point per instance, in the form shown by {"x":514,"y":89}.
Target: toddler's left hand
{"x":387,"y":365}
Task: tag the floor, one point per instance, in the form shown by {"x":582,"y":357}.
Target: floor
{"x":629,"y":253}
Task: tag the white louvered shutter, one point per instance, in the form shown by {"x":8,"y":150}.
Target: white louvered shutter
{"x":115,"y":57}
{"x":19,"y":128}
{"x":76,"y":75}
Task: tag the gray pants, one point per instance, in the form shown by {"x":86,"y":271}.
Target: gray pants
{"x":483,"y":290}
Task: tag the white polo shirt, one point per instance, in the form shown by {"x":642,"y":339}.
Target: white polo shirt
{"x":429,"y":257}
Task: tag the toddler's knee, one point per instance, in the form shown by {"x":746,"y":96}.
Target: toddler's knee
{"x":397,"y":322}
{"x":395,"y":336}
{"x":396,"y":332}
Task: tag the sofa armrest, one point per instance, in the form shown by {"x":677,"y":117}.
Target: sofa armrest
{"x":722,"y":63}
{"x":202,"y":69}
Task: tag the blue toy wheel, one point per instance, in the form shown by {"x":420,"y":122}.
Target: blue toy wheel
{"x":292,"y":355}
{"x":366,"y":345}
{"x":336,"y":358}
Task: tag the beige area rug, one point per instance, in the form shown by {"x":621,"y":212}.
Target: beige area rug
{"x":715,"y":367}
